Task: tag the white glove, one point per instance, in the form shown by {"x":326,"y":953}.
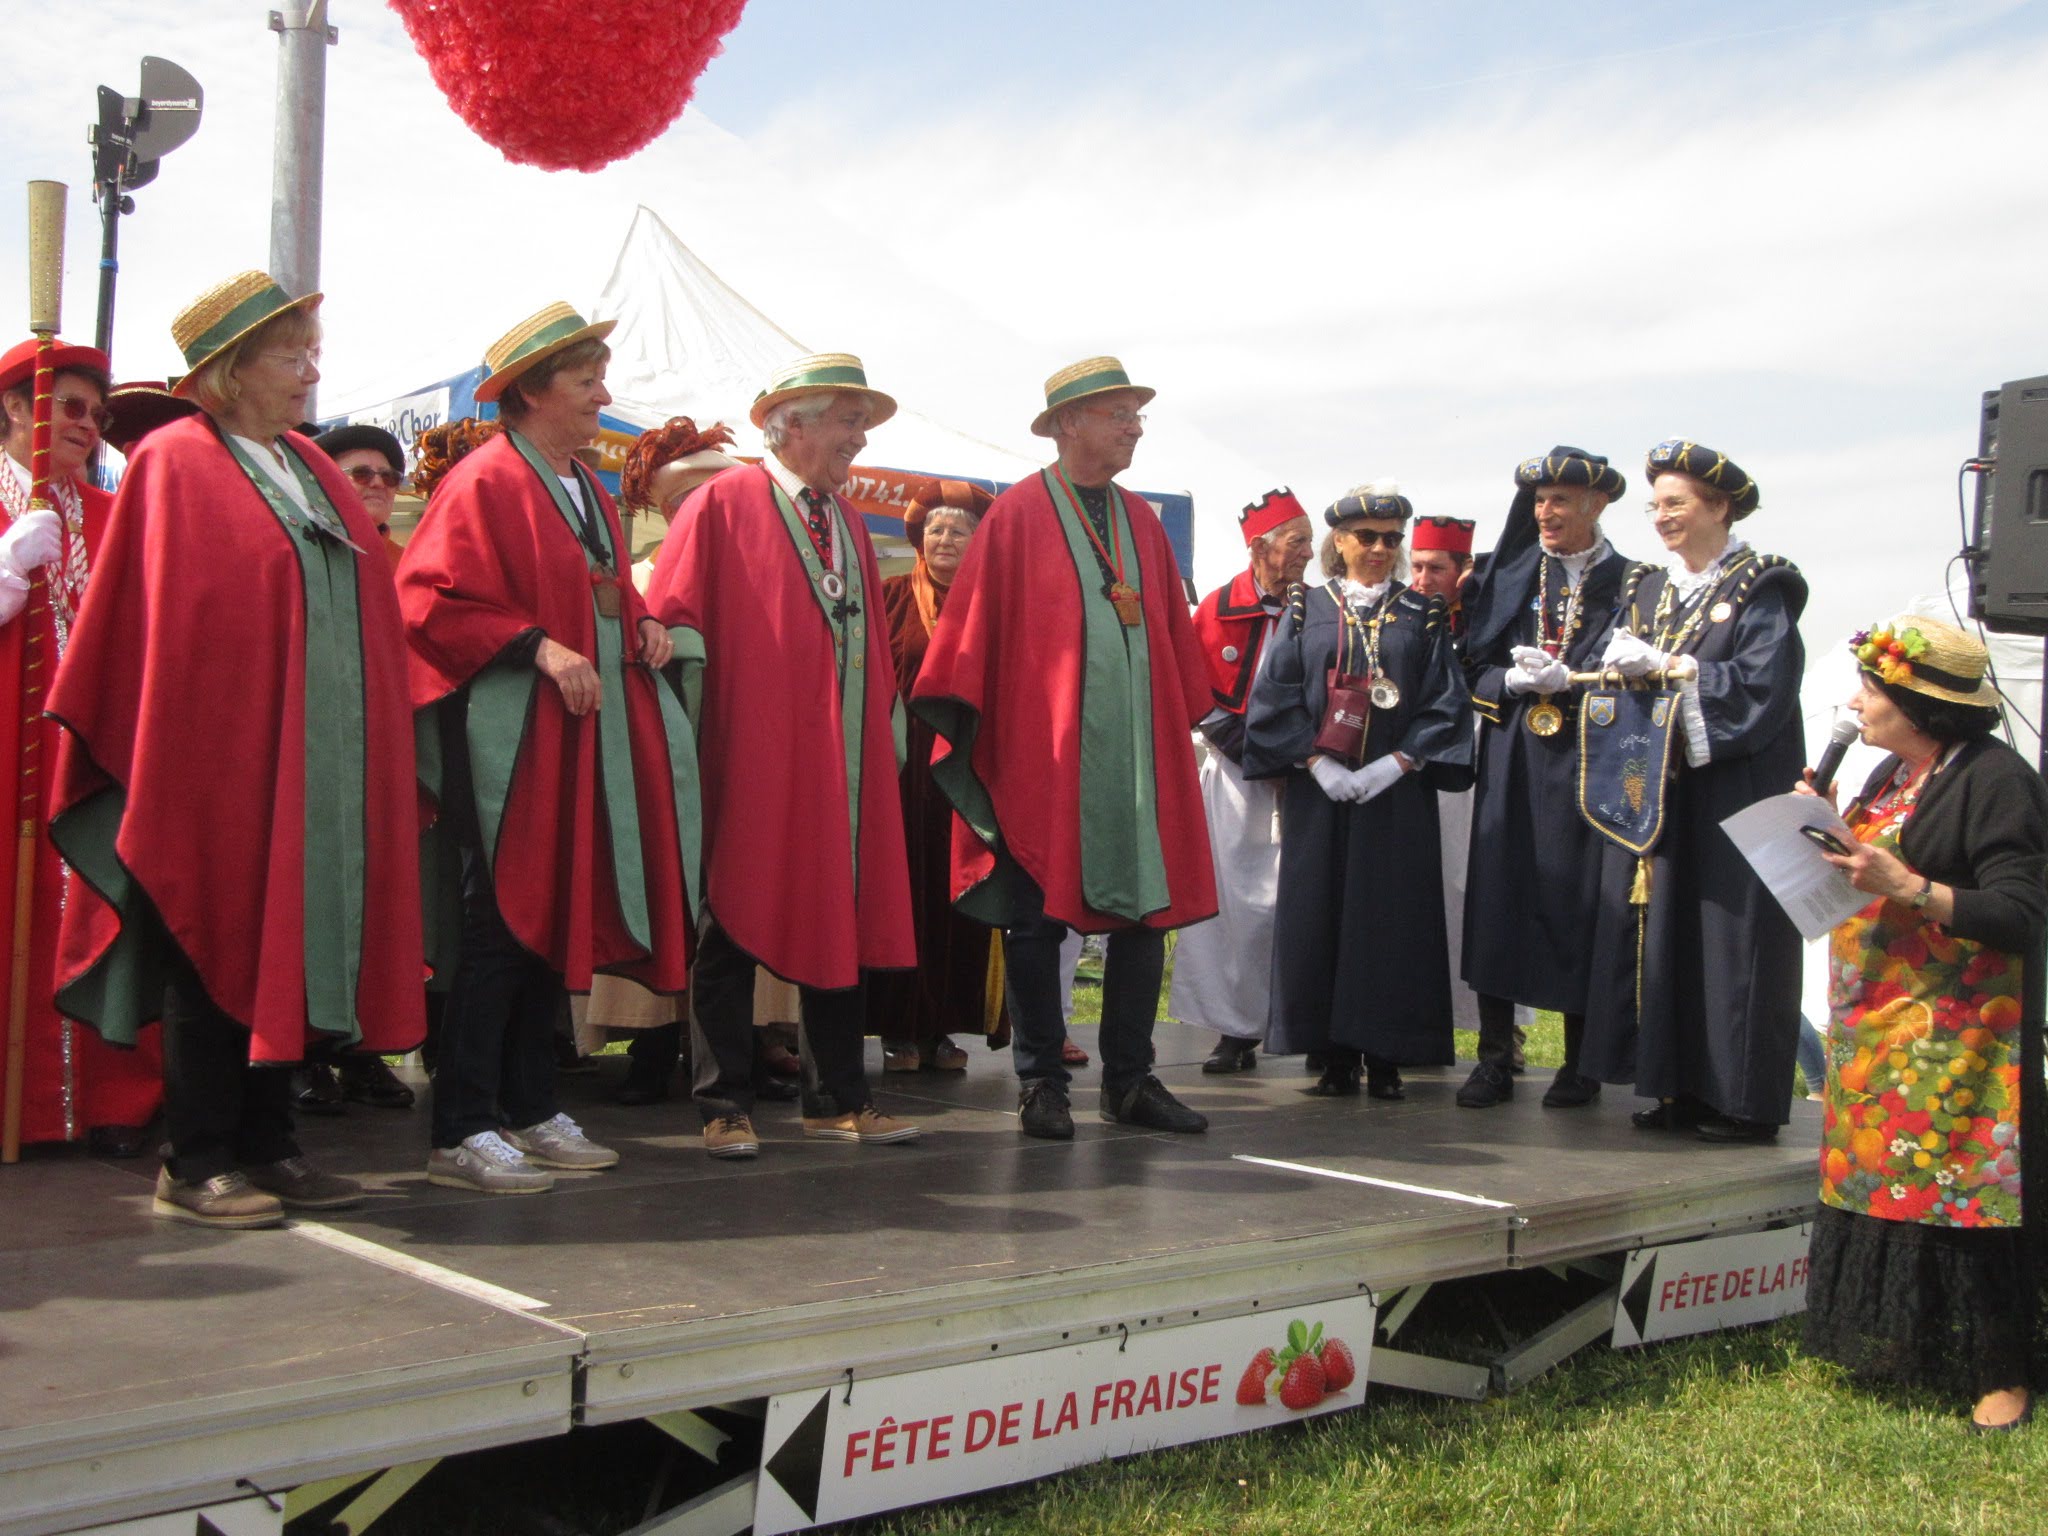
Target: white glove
{"x":1536,"y":671}
{"x":1376,"y":777}
{"x":1631,"y":655}
{"x":1332,"y":778}
{"x":32,"y":540}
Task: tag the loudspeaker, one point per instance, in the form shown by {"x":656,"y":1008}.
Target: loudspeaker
{"x":2009,"y":582}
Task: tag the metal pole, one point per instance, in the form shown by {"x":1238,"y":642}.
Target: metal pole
{"x":110,"y":267}
{"x":298,"y":147}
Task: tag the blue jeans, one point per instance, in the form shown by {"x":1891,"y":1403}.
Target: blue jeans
{"x":1813,"y":1060}
{"x":1131,"y":974}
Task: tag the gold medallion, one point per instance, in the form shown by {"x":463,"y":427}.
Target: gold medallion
{"x":1544,"y":718}
{"x":1129,"y":607}
{"x":1386,"y":693}
{"x":1721,"y":612}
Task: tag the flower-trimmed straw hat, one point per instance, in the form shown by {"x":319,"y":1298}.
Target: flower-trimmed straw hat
{"x":820,"y":372}
{"x":533,"y":340}
{"x":1926,"y":656}
{"x":223,"y":315}
{"x":1077,"y":381}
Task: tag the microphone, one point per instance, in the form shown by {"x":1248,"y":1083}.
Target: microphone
{"x":1846,"y":731}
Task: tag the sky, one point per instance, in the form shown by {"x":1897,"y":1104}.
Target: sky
{"x":1344,"y":241}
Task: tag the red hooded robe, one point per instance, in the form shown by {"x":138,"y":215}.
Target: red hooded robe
{"x":183,"y":702}
{"x":781,"y":874}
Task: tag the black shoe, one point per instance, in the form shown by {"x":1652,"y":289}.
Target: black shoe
{"x":1042,"y":1110}
{"x":1671,"y":1115}
{"x":366,"y":1078}
{"x":117,"y":1140}
{"x":1315,"y":1061}
{"x":1339,"y":1081}
{"x":1489,"y":1084}
{"x":1147,"y":1103}
{"x":1384,"y":1083}
{"x":1570,"y":1090}
{"x":1232,"y":1055}
{"x":1730,"y":1131}
{"x":772,"y":1090}
{"x":315,"y":1091}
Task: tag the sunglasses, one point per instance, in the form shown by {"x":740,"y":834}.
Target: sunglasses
{"x":366,"y":477}
{"x":78,"y":408}
{"x":1391,"y":538}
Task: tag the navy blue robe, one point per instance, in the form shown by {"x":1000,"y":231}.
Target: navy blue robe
{"x":1532,"y":879}
{"x":1359,"y":947}
{"x":1720,"y":978}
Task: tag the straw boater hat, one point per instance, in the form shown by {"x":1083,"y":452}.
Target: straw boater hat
{"x":533,"y":340}
{"x":223,"y":315}
{"x":1676,"y":455}
{"x":821,"y":372}
{"x":1928,"y":657}
{"x":1090,"y":376}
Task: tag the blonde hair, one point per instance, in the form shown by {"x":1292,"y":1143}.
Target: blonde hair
{"x":214,"y":387}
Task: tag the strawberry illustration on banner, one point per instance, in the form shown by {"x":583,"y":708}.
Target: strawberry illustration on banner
{"x":568,"y":84}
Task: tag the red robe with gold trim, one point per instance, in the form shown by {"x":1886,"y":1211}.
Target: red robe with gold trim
{"x":73,"y":1080}
{"x":779,"y":861}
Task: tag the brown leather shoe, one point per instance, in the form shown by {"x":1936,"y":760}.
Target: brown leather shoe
{"x":901,"y":1056}
{"x":945,"y":1056}
{"x":867,"y":1125}
{"x":303,"y":1187}
{"x":731,"y":1136}
{"x":225,"y":1200}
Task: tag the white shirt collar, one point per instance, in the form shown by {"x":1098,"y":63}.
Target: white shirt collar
{"x":1687,"y":583}
{"x":1363,"y":596}
{"x":1575,"y":566}
{"x":792,"y":483}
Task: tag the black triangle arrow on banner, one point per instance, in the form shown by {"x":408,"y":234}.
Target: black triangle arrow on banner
{"x":1636,"y":1303}
{"x":206,"y":1527}
{"x":799,"y":1462}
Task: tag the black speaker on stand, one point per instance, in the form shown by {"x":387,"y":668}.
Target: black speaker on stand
{"x":2009,"y":544}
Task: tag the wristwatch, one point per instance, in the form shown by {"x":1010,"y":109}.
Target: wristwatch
{"x":1919,"y":897}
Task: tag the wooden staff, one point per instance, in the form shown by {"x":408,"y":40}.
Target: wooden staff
{"x":45,"y":311}
{"x":1610,"y":679}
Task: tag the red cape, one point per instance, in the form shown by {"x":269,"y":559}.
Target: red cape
{"x":1231,"y":625}
{"x":1008,"y":648}
{"x":492,"y":559}
{"x":69,"y":1086}
{"x":184,"y":687}
{"x":778,"y":861}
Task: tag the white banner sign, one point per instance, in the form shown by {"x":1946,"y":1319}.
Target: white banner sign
{"x":937,"y":1434}
{"x":1716,"y":1282}
{"x":407,"y":417}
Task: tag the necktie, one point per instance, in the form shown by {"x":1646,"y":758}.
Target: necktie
{"x":818,"y":518}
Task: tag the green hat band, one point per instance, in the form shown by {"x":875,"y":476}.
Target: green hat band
{"x":820,"y":378}
{"x":255,"y":309}
{"x":1089,"y":384}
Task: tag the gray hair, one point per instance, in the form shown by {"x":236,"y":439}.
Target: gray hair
{"x":797,"y":411}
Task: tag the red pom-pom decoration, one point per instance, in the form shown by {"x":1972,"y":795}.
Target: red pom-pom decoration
{"x":568,"y":84}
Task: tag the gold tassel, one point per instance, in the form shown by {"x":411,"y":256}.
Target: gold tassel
{"x":1639,"y":892}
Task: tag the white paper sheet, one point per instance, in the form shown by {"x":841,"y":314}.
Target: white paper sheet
{"x":1770,"y":834}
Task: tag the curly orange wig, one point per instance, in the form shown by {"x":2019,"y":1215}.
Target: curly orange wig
{"x":676,"y":438}
{"x":440,"y":449}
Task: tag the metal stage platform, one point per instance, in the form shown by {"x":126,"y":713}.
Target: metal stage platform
{"x":146,"y":1366}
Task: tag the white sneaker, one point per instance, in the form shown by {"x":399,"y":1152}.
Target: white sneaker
{"x":487,"y":1162}
{"x":560,"y":1143}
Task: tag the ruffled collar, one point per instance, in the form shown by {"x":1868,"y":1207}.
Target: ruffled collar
{"x":1688,"y":583}
{"x":1575,"y":566}
{"x":1356,"y":596}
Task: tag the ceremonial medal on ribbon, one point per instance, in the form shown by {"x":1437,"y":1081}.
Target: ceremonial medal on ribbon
{"x":1544,"y":717}
{"x":1625,"y":741}
{"x":605,"y":590}
{"x":833,"y":585}
{"x":1386,"y":693}
{"x":1124,"y":598}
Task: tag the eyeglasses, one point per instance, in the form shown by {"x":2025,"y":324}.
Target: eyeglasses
{"x":305,"y":362}
{"x":78,"y":408}
{"x":366,"y":477}
{"x":1391,"y":538}
{"x":1122,"y":416}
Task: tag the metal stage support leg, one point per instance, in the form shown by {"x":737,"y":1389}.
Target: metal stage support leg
{"x":1427,"y":1373}
{"x":1401,"y":1307}
{"x":382,"y":1490}
{"x":1588,"y":1321}
{"x":726,"y":1510}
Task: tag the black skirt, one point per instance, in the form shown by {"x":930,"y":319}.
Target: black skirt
{"x":1945,"y":1308}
